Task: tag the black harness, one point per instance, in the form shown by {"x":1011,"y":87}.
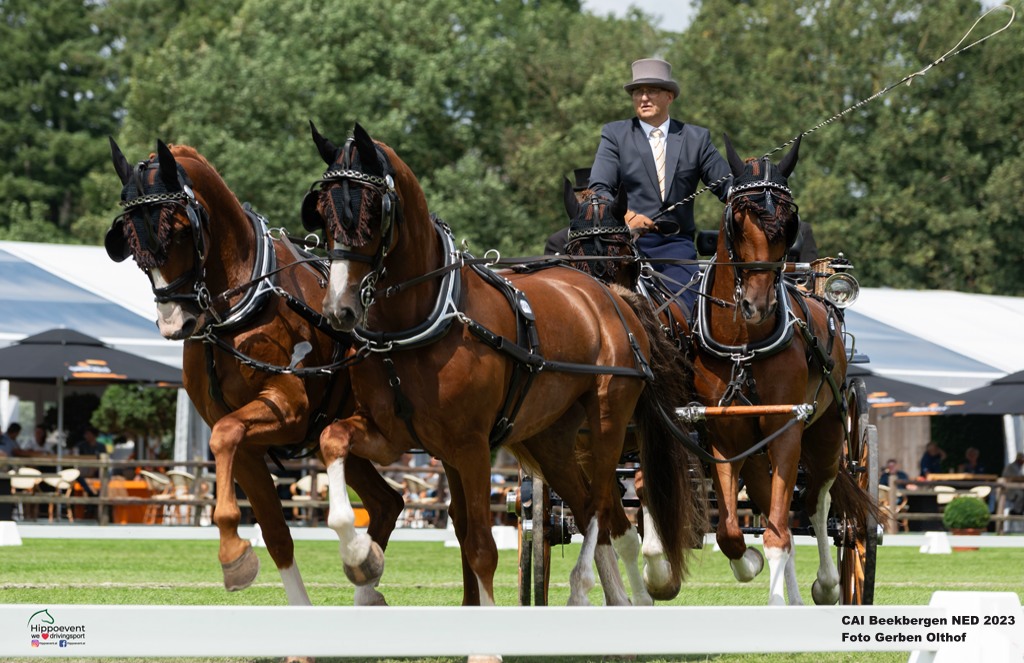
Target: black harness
{"x":524,"y":351}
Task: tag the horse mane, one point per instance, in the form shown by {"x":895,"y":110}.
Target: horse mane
{"x":410,"y":193}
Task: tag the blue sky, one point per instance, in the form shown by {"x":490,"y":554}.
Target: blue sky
{"x":675,"y":14}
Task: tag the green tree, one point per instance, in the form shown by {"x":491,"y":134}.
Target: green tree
{"x":61,"y":98}
{"x":137,"y":411}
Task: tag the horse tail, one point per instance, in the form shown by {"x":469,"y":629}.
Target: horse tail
{"x":849,"y":498}
{"x":673,"y":478}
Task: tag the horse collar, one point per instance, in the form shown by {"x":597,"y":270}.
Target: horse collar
{"x":445,"y":309}
{"x":780,"y":339}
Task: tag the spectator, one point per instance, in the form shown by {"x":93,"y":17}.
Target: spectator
{"x":9,"y":441}
{"x":932,"y":459}
{"x":39,"y":445}
{"x":1014,"y":471}
{"x":89,"y":446}
{"x":892,"y":472}
{"x":971,"y":464}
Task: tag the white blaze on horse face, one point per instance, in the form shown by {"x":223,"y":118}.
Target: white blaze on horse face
{"x":342,"y":294}
{"x":171,"y":318}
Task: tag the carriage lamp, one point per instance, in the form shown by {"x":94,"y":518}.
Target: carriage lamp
{"x":841,"y":289}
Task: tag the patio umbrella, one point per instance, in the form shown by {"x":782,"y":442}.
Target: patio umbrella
{"x":886,"y":392}
{"x":65,"y":356}
{"x":1002,"y":396}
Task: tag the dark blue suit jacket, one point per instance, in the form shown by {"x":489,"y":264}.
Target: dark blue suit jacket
{"x":624,"y":159}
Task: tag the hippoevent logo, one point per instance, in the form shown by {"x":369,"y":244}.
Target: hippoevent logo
{"x":45,"y":631}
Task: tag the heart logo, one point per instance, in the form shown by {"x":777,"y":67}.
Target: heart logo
{"x":45,"y":635}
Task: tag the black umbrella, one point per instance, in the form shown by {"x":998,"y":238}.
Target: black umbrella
{"x":65,"y":356}
{"x":1002,"y":396}
{"x":886,"y":392}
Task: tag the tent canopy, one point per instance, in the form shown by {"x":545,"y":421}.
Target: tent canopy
{"x":945,"y":340}
{"x":49,"y":286}
{"x":1003,"y":396}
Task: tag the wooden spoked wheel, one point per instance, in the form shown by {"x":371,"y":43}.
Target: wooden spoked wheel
{"x":859,"y":540}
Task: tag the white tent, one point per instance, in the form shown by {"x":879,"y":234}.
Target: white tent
{"x":48,"y":286}
{"x":953,"y":341}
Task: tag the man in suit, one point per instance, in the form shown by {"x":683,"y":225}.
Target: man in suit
{"x":657,"y":170}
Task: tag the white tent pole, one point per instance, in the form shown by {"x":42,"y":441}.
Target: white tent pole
{"x":61,"y":438}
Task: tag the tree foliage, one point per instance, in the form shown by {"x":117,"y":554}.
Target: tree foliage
{"x":137,"y":411}
{"x":493,"y":103}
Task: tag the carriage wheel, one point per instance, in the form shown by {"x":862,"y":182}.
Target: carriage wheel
{"x":541,"y":546}
{"x":859,"y":540}
{"x":532,"y":506}
{"x":524,"y":498}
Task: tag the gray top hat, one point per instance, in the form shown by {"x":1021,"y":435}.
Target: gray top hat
{"x":652,"y":72}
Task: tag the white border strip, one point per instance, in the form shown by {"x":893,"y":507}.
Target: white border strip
{"x":175,"y":631}
{"x":158,"y":532}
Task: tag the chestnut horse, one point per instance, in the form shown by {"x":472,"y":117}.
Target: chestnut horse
{"x":462,"y":359}
{"x":239,"y":299}
{"x":598,"y":229}
{"x":771,"y":344}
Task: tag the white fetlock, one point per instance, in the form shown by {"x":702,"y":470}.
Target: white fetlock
{"x":747,"y":567}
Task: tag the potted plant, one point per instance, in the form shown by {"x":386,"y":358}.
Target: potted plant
{"x":966,"y":515}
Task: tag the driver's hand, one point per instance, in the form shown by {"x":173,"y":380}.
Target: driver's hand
{"x":639,"y":224}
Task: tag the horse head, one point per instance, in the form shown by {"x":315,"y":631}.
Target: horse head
{"x":597,"y":227}
{"x":357,"y":206}
{"x":165,"y":228}
{"x":759,"y":224}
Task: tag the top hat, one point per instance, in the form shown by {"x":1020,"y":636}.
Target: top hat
{"x":652,"y":72}
{"x":582,"y":177}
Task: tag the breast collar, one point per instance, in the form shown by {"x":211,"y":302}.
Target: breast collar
{"x":440,"y":319}
{"x":779,"y":340}
{"x":254,"y":297}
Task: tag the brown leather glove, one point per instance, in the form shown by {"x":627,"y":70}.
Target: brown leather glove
{"x":638,"y":223}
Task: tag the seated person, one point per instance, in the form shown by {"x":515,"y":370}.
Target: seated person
{"x":971,"y":464}
{"x":892,"y":472}
{"x":39,"y":445}
{"x":9,"y":441}
{"x":932,"y":459}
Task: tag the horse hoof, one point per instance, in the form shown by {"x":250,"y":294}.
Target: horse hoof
{"x":367,"y":595}
{"x":748,"y":566}
{"x":661,"y":584}
{"x":823,"y":595}
{"x":370,"y":570}
{"x":241,"y":573}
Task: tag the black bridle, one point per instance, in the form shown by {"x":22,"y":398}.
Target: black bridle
{"x":144,"y":207}
{"x":346,"y":175}
{"x":765,"y":195}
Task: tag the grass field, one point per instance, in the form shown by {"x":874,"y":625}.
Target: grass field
{"x":54,"y":571}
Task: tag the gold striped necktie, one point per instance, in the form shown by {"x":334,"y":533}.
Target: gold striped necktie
{"x":658,"y":148}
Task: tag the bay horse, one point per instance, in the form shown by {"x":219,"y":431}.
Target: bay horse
{"x":246,"y":305}
{"x":461,"y":359}
{"x":759,"y":341}
{"x":598,"y":229}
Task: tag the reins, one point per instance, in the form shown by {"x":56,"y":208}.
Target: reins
{"x":908,"y":79}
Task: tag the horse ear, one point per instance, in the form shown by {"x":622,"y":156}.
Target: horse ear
{"x":367,"y":151}
{"x":620,"y":205}
{"x":572,"y":206}
{"x":168,"y":166}
{"x":735,"y":162}
{"x":328,"y":151}
{"x":788,"y":162}
{"x":121,"y":165}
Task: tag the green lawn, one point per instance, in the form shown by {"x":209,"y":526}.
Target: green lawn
{"x":187,"y":573}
